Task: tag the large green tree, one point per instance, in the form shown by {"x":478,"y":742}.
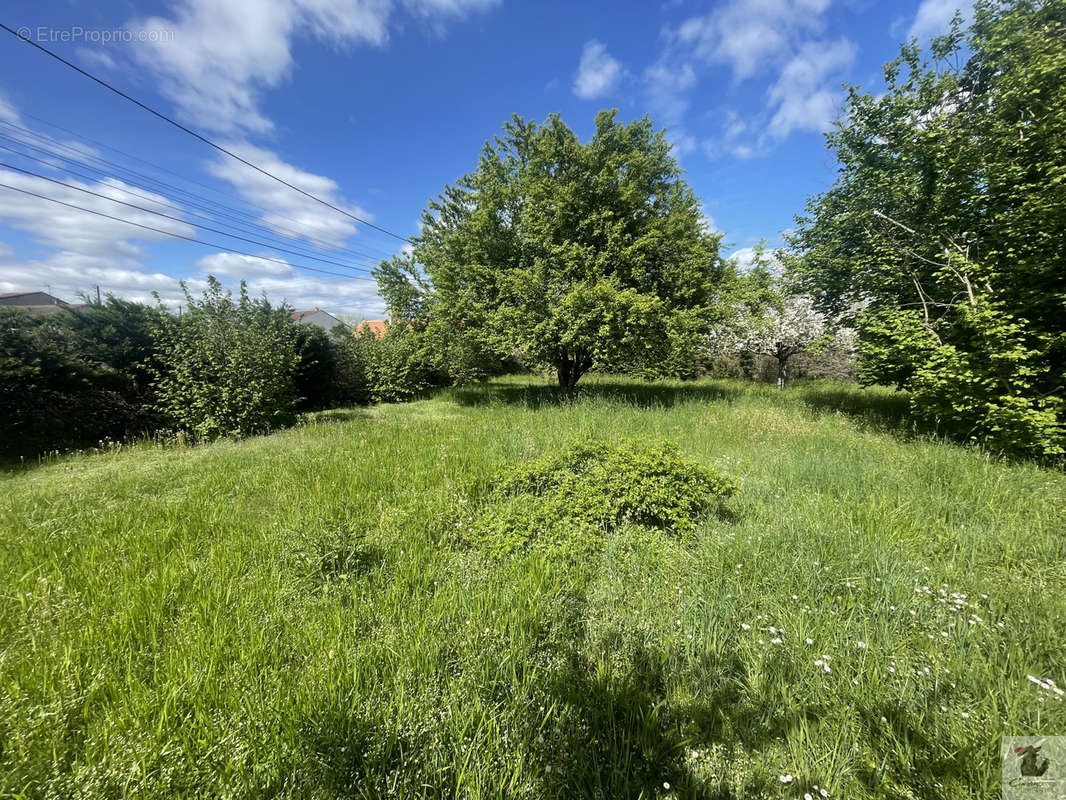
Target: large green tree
{"x":572,"y":255}
{"x":946,"y":227}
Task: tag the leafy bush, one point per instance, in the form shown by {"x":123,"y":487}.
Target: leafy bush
{"x":569,"y":501}
{"x":226,"y":368}
{"x":396,"y":366}
{"x":330,"y":373}
{"x":946,"y":226}
{"x":72,"y":378}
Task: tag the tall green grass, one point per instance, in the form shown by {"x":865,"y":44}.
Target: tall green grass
{"x":299,"y":616}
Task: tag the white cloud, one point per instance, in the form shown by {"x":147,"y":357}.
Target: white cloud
{"x":734,"y":125}
{"x":667,"y":85}
{"x":236,"y":265}
{"x":96,"y":56}
{"x":77,"y":231}
{"x":8,"y":113}
{"x":934,"y":17}
{"x":214,"y":59}
{"x":682,"y":142}
{"x":288,"y":211}
{"x":91,"y":251}
{"x":745,"y":259}
{"x":750,"y":36}
{"x":67,"y":274}
{"x":282,"y":282}
{"x":707,"y":221}
{"x":355,"y":296}
{"x":800,"y":96}
{"x":597,"y":73}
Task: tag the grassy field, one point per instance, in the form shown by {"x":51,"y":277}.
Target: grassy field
{"x":299,"y":615}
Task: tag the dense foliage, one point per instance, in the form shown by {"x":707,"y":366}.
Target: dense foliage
{"x":226,"y":367}
{"x":947,"y":225}
{"x":570,"y":255}
{"x":74,"y":377}
{"x":568,"y":501}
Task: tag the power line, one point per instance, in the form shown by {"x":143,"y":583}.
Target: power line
{"x":218,"y":208}
{"x":165,"y":203}
{"x":191,"y":132}
{"x":177,"y":235}
{"x":67,"y":146}
{"x":179,"y":219}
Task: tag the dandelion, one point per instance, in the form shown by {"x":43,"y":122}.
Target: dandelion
{"x":745,"y":626}
{"x":965,"y":715}
{"x":666,"y":785}
{"x":776,"y":640}
{"x":807,"y":796}
{"x":785,"y":779}
{"x":548,"y":768}
{"x":862,"y":645}
{"x":809,"y":640}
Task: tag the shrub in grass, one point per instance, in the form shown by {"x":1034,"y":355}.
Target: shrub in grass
{"x":568,"y":501}
{"x":225,"y":367}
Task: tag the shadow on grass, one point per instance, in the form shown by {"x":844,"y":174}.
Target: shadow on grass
{"x":336,"y":415}
{"x":640,"y":395}
{"x":876,"y":408}
{"x":618,"y":736}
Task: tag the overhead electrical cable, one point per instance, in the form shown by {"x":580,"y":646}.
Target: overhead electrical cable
{"x":190,"y":198}
{"x":176,"y":219}
{"x":166,"y":203}
{"x":178,"y":235}
{"x":191,"y":132}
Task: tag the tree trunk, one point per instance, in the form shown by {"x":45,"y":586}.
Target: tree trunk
{"x":782,"y":372}
{"x":564,"y":369}
{"x":570,"y":369}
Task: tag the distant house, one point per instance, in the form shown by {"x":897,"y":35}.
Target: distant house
{"x":378,"y":327}
{"x":36,"y":303}
{"x":316,"y":316}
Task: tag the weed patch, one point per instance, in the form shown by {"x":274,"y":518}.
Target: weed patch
{"x":567,"y":502}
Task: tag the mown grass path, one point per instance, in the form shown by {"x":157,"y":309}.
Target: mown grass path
{"x":299,"y":616}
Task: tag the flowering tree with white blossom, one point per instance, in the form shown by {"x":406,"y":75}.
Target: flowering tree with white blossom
{"x":779,"y":330}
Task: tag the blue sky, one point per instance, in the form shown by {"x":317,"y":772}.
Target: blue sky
{"x":376,"y":104}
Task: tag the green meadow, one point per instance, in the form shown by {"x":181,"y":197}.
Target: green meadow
{"x":301,"y":615}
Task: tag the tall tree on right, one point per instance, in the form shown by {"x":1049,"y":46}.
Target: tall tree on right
{"x":947,"y":226}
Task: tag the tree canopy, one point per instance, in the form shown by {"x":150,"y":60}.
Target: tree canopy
{"x":946,"y":227}
{"x":573,"y":255}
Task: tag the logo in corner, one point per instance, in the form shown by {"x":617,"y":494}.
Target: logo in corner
{"x":1033,"y":767}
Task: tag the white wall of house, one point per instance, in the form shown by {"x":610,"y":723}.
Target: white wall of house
{"x":321,"y":319}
